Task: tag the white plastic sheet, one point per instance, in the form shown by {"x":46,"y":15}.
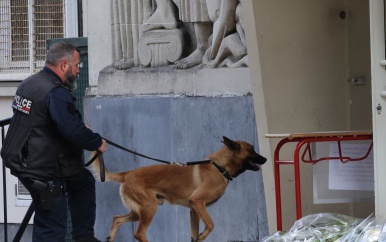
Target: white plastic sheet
{"x":328,"y":227}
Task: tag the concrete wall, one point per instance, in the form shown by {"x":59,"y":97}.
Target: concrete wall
{"x":307,"y":56}
{"x":179,"y":129}
{"x":99,"y":36}
{"x":359,"y":64}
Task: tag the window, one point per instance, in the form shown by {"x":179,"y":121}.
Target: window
{"x":23,"y":198}
{"x":25,"y":25}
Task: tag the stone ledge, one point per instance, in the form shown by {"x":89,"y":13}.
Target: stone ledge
{"x":171,"y":81}
{"x":8,"y":89}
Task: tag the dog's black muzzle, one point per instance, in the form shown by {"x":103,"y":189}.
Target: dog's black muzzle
{"x":253,"y":162}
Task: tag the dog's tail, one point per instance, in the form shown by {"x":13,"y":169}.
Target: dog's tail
{"x":110,"y":176}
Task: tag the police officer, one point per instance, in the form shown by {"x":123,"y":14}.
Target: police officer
{"x":44,"y":146}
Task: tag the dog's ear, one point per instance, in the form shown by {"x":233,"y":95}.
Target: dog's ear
{"x":231,"y":144}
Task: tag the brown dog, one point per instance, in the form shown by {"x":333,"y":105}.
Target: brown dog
{"x":194,"y":187}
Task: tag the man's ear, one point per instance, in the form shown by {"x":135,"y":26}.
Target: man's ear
{"x":63,"y":65}
{"x":232,"y":145}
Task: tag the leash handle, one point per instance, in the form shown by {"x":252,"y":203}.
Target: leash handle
{"x":102,"y":174}
{"x":102,"y":168}
{"x":92,"y":160}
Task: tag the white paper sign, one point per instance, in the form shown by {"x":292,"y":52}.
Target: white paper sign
{"x":352,"y":175}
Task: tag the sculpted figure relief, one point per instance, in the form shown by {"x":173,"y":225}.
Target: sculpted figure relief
{"x":127,"y":16}
{"x":150,"y":33}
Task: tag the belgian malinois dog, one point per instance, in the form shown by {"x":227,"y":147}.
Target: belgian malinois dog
{"x":195,"y":187}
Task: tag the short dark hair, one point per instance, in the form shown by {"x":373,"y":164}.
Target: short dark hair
{"x":59,"y":51}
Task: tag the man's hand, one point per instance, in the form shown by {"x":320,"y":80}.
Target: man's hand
{"x":103,"y":146}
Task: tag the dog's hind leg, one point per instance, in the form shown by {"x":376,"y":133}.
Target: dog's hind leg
{"x":146,"y":215}
{"x":194,"y":225}
{"x":118,"y":220}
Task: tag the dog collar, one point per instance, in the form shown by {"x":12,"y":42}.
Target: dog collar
{"x":223,"y":172}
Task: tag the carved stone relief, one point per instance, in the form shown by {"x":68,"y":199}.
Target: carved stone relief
{"x":152,"y":33}
{"x":160,"y":47}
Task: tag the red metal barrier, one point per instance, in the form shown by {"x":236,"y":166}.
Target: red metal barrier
{"x":303,"y":144}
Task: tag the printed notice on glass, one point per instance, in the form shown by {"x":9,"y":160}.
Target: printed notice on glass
{"x":352,"y":175}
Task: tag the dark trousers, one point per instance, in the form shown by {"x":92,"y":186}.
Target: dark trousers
{"x":51,"y":225}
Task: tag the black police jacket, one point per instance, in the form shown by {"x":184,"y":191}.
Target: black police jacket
{"x":34,"y":146}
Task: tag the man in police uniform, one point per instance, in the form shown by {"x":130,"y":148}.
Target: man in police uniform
{"x":43,"y":148}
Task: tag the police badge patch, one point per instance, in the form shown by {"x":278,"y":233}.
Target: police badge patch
{"x":22,"y":104}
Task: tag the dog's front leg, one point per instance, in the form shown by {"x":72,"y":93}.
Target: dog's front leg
{"x":194,"y":225}
{"x":200,"y":208}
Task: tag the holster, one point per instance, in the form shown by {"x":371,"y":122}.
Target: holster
{"x":47,"y":192}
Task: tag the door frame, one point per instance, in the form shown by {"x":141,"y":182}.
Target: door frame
{"x":378,"y":83}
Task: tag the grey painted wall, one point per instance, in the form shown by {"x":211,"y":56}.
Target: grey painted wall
{"x":12,"y":230}
{"x":178,"y":129}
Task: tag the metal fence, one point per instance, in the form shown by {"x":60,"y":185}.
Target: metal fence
{"x":24,"y":27}
{"x":3,"y":124}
